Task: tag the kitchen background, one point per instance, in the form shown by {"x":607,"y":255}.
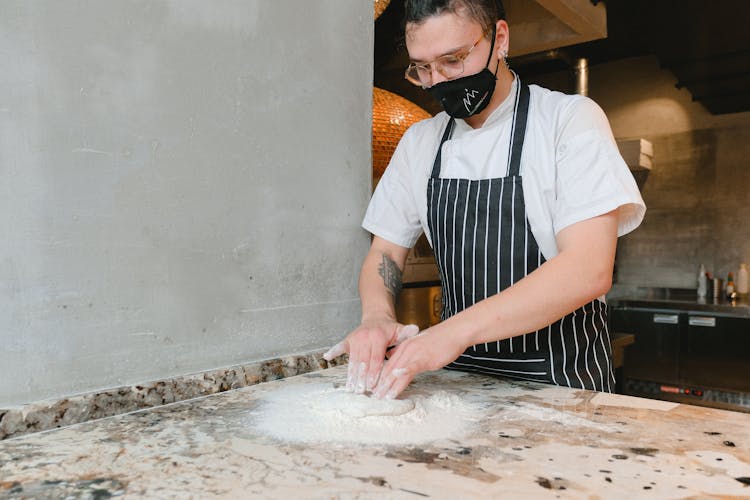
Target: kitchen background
{"x":672,"y":78}
{"x":698,"y":189}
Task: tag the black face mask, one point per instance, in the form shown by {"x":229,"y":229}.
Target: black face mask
{"x":468,"y":95}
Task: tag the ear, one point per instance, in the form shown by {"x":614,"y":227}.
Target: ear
{"x":502,"y":38}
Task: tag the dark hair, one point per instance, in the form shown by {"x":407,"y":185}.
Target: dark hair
{"x":485,"y":12}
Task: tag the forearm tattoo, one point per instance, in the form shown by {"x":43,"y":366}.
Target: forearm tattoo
{"x":391,"y":275}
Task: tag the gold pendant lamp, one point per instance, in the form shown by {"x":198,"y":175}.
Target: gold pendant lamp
{"x":391,"y":116}
{"x":380,"y":6}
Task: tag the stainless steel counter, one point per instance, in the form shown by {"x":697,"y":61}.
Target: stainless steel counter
{"x":677,"y":299}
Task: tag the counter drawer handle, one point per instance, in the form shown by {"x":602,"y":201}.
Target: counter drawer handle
{"x":701,"y":321}
{"x":669,"y":319}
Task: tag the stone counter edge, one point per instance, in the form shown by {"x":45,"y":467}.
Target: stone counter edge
{"x":54,"y":413}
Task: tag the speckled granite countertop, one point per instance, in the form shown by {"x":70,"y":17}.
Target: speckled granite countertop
{"x":534,"y":441}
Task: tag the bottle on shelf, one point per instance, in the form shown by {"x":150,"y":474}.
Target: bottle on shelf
{"x":702,"y":281}
{"x":730,"y":286}
{"x":742,"y":280}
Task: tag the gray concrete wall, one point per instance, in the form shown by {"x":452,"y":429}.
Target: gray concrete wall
{"x":181,"y":185}
{"x":698,"y":192}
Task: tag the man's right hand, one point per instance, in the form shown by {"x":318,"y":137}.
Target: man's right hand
{"x":366,"y":347}
{"x":379,"y":285}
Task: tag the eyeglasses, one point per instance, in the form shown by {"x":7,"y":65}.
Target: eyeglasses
{"x":449,"y":65}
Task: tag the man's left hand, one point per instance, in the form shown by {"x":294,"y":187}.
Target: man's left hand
{"x":427,"y":351}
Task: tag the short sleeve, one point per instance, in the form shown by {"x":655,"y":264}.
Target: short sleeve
{"x":591,"y":177}
{"x":392,"y":213}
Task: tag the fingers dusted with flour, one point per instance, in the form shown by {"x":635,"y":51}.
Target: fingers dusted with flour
{"x":406,"y":332}
{"x":371,"y":364}
{"x":430,"y":350}
{"x":393,"y":383}
{"x":366,"y":347}
{"x":335,"y":351}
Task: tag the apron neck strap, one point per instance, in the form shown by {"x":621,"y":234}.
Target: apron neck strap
{"x":446,"y":135}
{"x":520,"y":113}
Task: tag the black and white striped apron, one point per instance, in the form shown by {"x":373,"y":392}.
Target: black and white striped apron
{"x":483,"y":244}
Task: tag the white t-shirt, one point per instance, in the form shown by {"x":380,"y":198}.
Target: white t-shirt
{"x":570,"y":165}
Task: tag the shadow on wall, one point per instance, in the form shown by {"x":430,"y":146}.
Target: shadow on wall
{"x":640,"y":176}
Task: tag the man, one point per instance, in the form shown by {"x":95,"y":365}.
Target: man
{"x":522,"y":194}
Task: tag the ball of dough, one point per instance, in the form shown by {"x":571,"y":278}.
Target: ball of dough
{"x":360,"y":406}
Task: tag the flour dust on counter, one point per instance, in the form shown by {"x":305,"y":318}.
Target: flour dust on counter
{"x":322,"y":412}
{"x":519,"y":440}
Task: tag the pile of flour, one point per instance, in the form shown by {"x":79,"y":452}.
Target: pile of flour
{"x":322,"y":413}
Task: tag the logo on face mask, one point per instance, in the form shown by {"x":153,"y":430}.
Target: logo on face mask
{"x":470,"y":94}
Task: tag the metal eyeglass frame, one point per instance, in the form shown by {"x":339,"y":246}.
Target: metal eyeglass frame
{"x":414,"y":67}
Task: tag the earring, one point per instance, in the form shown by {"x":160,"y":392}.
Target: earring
{"x":504,"y":55}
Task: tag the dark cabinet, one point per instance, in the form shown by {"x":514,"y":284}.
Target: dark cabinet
{"x":655,"y":353}
{"x":686,"y":356}
{"x":717,"y":352}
